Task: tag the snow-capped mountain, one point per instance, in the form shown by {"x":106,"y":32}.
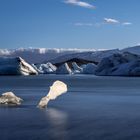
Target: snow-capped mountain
{"x":43,"y":55}
{"x":39,"y":55}
{"x":94,"y":57}
{"x":60,"y":56}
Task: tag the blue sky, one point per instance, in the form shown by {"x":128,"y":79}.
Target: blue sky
{"x":99,"y":24}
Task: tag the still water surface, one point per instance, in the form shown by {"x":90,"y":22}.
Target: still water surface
{"x":95,"y":108}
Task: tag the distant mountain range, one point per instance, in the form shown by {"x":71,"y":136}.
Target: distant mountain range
{"x":58,"y":56}
{"x":115,"y":62}
{"x":39,"y":55}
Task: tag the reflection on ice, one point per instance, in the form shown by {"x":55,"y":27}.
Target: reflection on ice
{"x":58,"y":122}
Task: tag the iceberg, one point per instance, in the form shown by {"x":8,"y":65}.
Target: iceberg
{"x":47,"y":68}
{"x":58,"y":88}
{"x":9,"y":98}
{"x":15,"y":66}
{"x":89,"y":68}
{"x":64,"y":69}
{"x":125,"y":64}
{"x":76,"y":69}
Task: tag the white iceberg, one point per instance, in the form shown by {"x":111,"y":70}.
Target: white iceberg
{"x":58,"y":88}
{"x":47,"y":68}
{"x":15,"y":66}
{"x":9,"y":98}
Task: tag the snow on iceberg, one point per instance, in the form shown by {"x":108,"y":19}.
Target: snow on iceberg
{"x":47,"y":68}
{"x":64,"y":69}
{"x":76,"y":69}
{"x":15,"y":66}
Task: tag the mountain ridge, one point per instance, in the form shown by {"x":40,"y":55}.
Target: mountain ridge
{"x":41,"y":55}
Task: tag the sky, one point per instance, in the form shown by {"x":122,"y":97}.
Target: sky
{"x":98,"y":24}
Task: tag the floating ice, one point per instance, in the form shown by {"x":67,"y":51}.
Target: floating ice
{"x":9,"y":98}
{"x":57,"y":89}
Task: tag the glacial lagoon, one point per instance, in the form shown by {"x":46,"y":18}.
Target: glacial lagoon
{"x":94,"y":108}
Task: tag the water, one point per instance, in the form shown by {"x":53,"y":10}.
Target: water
{"x":95,"y":108}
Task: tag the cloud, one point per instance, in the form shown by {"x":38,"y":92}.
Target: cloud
{"x":105,"y":21}
{"x":111,"y":21}
{"x":115,"y":21}
{"x":126,"y":23}
{"x":80,"y":3}
{"x":83,"y":24}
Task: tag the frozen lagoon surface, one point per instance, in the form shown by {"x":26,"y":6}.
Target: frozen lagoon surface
{"x":95,"y":108}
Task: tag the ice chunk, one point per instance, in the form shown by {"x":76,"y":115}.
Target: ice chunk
{"x":9,"y":98}
{"x":57,"y":89}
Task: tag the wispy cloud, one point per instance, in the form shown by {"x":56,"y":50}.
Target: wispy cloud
{"x":105,"y":21}
{"x":126,"y":23}
{"x":80,"y":3}
{"x":83,"y":24}
{"x":115,"y":21}
{"x":111,"y":21}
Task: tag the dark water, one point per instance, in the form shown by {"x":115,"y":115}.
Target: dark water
{"x":95,"y":108}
